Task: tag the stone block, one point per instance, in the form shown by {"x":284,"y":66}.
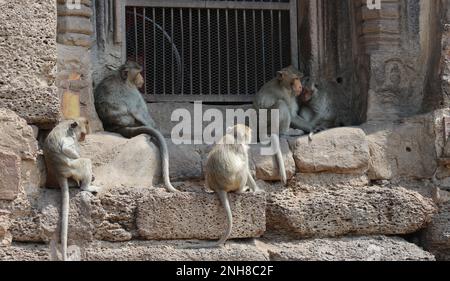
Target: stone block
{"x":340,"y":150}
{"x":332,"y":212}
{"x":266,"y":167}
{"x":198,"y":215}
{"x":9,"y":176}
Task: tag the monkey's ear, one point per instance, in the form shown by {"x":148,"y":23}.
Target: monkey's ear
{"x":281,"y":74}
{"x":74,"y":125}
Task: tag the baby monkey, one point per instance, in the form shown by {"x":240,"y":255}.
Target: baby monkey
{"x":62,"y":154}
{"x":227,"y":170}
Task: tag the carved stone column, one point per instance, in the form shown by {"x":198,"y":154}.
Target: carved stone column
{"x":74,"y":79}
{"x":399,"y":40}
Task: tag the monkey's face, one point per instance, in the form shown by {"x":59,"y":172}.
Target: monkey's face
{"x":81,"y":128}
{"x":297,"y":87}
{"x":309,"y":89}
{"x":290,"y":81}
{"x":139,"y":80}
{"x":306,"y":95}
{"x":131,"y":71}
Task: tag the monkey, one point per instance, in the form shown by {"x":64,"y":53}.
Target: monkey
{"x":123,"y":110}
{"x":281,"y":93}
{"x":316,"y":107}
{"x":227,"y":170}
{"x":62,"y":154}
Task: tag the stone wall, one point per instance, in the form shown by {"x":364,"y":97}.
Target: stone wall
{"x":74,"y":80}
{"x":444,"y":64}
{"x":329,"y":53}
{"x":386,"y":60}
{"x":329,"y":203}
{"x":401,"y":40}
{"x":349,"y":188}
{"x":28,"y":55}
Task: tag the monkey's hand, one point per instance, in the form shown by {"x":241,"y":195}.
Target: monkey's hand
{"x":69,"y":148}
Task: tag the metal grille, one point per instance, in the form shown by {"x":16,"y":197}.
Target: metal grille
{"x":217,"y":51}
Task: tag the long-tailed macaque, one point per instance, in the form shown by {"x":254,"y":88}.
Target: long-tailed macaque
{"x":122,"y":109}
{"x":227,"y":170}
{"x":281,"y":93}
{"x":62,"y":154}
{"x":316,"y":107}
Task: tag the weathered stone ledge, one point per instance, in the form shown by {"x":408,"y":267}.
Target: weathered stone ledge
{"x":377,"y":248}
{"x":141,"y":213}
{"x":332,"y":212}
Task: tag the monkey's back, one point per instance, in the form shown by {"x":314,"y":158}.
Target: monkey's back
{"x":117,"y":104}
{"x":53,"y":148}
{"x":269,"y":94}
{"x":226,"y":168}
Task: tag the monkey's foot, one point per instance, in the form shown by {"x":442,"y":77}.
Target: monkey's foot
{"x":293,"y":133}
{"x":244,"y":189}
{"x":92,"y":189}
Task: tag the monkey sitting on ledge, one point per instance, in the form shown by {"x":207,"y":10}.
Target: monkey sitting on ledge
{"x":316,"y":107}
{"x":281,"y":93}
{"x":227,"y":170}
{"x":123,"y":110}
{"x":62,"y":155}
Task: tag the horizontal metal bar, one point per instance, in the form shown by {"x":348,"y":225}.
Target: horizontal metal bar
{"x":210,"y":4}
{"x":204,"y":98}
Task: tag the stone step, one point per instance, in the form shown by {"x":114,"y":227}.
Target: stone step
{"x":198,"y":215}
{"x":330,"y":211}
{"x":140,"y":213}
{"x":301,"y":211}
{"x":377,"y":248}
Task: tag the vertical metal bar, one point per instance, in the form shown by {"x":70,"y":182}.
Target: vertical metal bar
{"x":182,"y":50}
{"x":164,"y":49}
{"x":154,"y":50}
{"x":254,"y":53}
{"x":144,"y":64}
{"x":219,"y":53}
{"x":263,"y":34}
{"x":280,"y":40}
{"x":135,"y":34}
{"x":172,"y":50}
{"x":294,"y":30}
{"x":209,"y":50}
{"x":237,"y":50}
{"x":190,"y":50}
{"x":245,"y":50}
{"x":228,"y":51}
{"x":200,"y":51}
{"x":272,"y":44}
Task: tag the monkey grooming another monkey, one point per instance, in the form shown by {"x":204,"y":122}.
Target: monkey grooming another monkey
{"x":316,"y":107}
{"x":123,"y":110}
{"x":62,"y":153}
{"x":227,"y":170}
{"x":281,"y":93}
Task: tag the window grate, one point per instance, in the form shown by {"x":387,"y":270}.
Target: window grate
{"x":218,"y":51}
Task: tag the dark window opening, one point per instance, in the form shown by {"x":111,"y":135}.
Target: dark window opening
{"x":208,"y":53}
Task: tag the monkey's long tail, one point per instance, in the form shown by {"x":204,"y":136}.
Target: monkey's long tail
{"x":64,"y":217}
{"x":223,"y":197}
{"x":132,"y":132}
{"x":276,"y":141}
